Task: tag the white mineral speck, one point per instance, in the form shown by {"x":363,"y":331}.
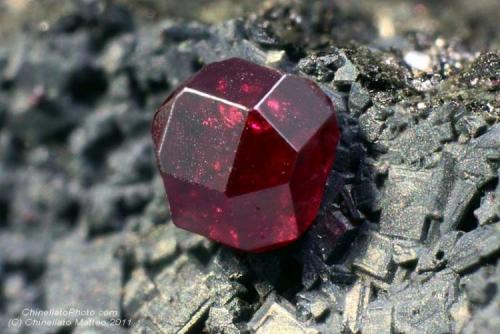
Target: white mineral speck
{"x":418,"y":60}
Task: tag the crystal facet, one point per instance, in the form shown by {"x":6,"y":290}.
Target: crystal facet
{"x":244,"y":152}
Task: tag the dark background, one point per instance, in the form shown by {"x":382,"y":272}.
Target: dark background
{"x":83,"y":218}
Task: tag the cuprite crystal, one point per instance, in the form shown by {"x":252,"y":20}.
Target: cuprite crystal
{"x":244,"y":152}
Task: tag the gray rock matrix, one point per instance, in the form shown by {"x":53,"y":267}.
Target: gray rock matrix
{"x":408,"y":236}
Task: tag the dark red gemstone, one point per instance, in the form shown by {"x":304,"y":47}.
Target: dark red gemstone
{"x":244,"y":152}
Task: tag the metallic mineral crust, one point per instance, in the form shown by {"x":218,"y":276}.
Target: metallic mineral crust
{"x":244,"y":152}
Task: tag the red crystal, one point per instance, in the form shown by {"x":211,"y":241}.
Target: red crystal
{"x":244,"y":152}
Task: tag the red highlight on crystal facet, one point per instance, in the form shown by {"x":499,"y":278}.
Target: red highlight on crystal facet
{"x":244,"y":152}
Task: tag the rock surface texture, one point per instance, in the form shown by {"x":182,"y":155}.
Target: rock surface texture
{"x":407,"y":236}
